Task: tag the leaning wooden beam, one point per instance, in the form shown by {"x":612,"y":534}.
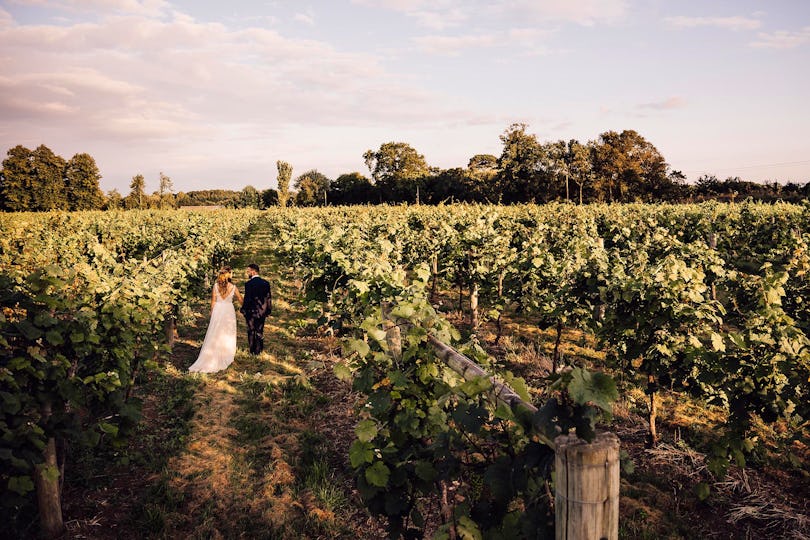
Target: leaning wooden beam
{"x":587,"y":485}
{"x":500,"y":391}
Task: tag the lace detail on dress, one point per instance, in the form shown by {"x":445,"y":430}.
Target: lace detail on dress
{"x":228,"y":296}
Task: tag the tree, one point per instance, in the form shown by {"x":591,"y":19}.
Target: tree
{"x":447,"y":185}
{"x":351,"y":188}
{"x":16,"y":179}
{"x":137,"y":193}
{"x":627,"y":166}
{"x":165,"y":191}
{"x":249,"y":197}
{"x":82,"y":183}
{"x":114,"y":200}
{"x":523,"y":162}
{"x":48,"y":186}
{"x":572,"y":163}
{"x":481,"y":178}
{"x":484,"y":163}
{"x":269,"y":198}
{"x":284,"y":175}
{"x":312,"y":188}
{"x":397,"y":170}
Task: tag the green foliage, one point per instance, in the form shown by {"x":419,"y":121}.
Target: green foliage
{"x":82,"y":183}
{"x":83,"y":303}
{"x":423,"y":426}
{"x":283,"y":182}
{"x":16,"y":180}
{"x":396,"y":169}
{"x":708,"y":300}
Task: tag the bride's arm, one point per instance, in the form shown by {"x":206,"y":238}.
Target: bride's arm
{"x":213,"y":296}
{"x":238,"y":295}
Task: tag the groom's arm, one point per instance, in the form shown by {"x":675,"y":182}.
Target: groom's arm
{"x":267,"y":300}
{"x":248,"y":300}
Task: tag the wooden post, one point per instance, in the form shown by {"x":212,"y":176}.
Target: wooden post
{"x":474,"y":307}
{"x":46,"y":479}
{"x":434,"y":269}
{"x":170,"y":329}
{"x":587,"y":488}
{"x":393,"y":335}
{"x":713,"y":245}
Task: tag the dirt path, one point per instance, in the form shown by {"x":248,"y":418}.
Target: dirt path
{"x":266,"y":452}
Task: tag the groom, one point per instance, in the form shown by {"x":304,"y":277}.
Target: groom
{"x":256,"y":306}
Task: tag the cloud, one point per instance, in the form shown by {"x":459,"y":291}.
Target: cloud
{"x":583,"y":12}
{"x":674,"y":102}
{"x":5,"y":18}
{"x":728,"y":23}
{"x":452,"y":45}
{"x":782,"y":39}
{"x":433,"y":14}
{"x":139,"y":89}
{"x":442,"y":14}
{"x":306,"y":18}
{"x":524,"y":38}
{"x":148,"y":8}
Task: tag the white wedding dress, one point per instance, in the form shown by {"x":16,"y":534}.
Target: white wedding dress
{"x":219,"y":346}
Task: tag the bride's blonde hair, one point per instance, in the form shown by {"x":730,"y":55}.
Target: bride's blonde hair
{"x":224,"y":279}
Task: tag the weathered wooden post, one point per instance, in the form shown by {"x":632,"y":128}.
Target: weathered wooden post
{"x":474,"y":307}
{"x":713,"y":245}
{"x":586,"y":483}
{"x":46,"y":479}
{"x":434,"y":271}
{"x":170,"y":330}
{"x":393,"y":335}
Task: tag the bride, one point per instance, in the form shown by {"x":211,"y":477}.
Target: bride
{"x":219,"y":346}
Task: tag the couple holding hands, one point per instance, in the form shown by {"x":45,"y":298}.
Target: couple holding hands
{"x":219,"y":346}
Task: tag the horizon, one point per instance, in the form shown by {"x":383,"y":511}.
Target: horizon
{"x":213,"y":95}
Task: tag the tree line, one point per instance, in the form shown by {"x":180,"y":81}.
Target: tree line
{"x":39,"y":180}
{"x":616,"y":167}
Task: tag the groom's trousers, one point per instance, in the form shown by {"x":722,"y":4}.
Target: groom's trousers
{"x":255,"y":334}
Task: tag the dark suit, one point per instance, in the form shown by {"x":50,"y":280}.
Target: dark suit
{"x":257,"y":305}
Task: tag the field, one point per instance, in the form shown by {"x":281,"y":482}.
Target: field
{"x":692,"y":318}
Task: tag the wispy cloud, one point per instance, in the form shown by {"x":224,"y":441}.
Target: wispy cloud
{"x":674,"y":102}
{"x":782,"y":39}
{"x":442,"y":14}
{"x":149,"y":8}
{"x":433,"y":14}
{"x":306,"y":18}
{"x":728,"y":23}
{"x":583,"y":12}
{"x":529,"y":39}
{"x":453,"y":45}
{"x":5,"y":18}
{"x":154,"y":77}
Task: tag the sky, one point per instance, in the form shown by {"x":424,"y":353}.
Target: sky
{"x":214,"y":93}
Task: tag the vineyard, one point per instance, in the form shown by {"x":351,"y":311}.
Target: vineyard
{"x":683,"y":329}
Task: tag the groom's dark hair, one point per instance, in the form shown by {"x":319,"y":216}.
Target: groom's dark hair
{"x":255,"y":267}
